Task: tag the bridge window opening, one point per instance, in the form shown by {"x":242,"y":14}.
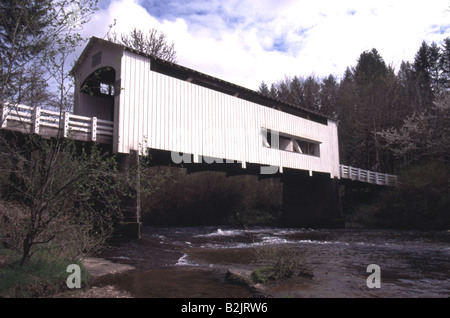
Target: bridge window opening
{"x":286,"y":144}
{"x":100,"y":83}
{"x":97,"y":94}
{"x":106,"y":89}
{"x":281,"y":141}
{"x":309,"y":147}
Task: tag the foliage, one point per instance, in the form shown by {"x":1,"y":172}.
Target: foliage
{"x":211,"y":198}
{"x":423,"y":198}
{"x":280,"y":262}
{"x":70,"y":196}
{"x":373,"y":97}
{"x":423,"y":136}
{"x":38,"y":278}
{"x":37,"y":37}
{"x":153,"y":43}
{"x":421,"y":201}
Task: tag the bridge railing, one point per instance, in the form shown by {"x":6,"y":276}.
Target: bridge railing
{"x":51,"y":123}
{"x":368,"y":176}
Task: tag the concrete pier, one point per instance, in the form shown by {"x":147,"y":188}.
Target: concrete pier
{"x":130,"y":204}
{"x":311,"y":201}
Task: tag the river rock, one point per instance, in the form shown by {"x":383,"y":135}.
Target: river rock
{"x":99,"y":267}
{"x":239,"y":276}
{"x":243,"y":277}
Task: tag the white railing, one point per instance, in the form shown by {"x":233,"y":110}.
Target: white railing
{"x":372,"y":177}
{"x":68,"y":125}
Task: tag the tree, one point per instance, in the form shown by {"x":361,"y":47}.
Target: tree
{"x":329,"y":89}
{"x":370,"y":69}
{"x":35,"y":33}
{"x":444,"y":64}
{"x":22,"y":38}
{"x":409,"y":99}
{"x":63,"y":206}
{"x":424,"y":136}
{"x":311,"y":94}
{"x":369,"y":80}
{"x":422,"y":66}
{"x":153,"y":43}
{"x":65,"y":211}
{"x":263,"y":89}
{"x":346,"y":105}
{"x":435,"y":69}
{"x":296,"y":91}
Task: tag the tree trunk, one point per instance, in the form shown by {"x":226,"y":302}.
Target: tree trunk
{"x":27,"y":243}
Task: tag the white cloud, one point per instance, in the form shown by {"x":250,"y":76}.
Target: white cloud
{"x":245,"y":42}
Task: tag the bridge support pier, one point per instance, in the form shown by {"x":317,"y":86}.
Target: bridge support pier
{"x":131,"y":205}
{"x":311,"y":201}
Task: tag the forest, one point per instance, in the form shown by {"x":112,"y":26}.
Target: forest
{"x":388,"y":119}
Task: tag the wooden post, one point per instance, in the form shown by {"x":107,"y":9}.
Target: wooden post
{"x":66,"y":119}
{"x":4,"y":118}
{"x":94,"y":128}
{"x":36,"y":117}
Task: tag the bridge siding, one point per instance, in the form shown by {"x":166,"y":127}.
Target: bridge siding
{"x":163,"y":112}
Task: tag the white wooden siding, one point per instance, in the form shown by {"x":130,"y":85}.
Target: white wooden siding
{"x":162,"y":112}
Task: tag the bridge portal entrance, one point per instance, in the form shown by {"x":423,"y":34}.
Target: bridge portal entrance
{"x":97,"y":94}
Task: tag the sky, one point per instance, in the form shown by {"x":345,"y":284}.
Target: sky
{"x":249,"y":41}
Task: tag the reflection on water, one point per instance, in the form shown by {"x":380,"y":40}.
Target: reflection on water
{"x":193,"y":260}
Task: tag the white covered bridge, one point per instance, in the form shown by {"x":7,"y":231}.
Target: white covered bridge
{"x":137,"y":102}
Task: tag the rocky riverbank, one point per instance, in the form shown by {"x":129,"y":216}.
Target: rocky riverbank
{"x":100,"y":268}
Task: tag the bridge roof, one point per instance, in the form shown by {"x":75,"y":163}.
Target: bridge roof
{"x":184,"y":73}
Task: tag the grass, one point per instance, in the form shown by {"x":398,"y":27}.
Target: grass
{"x":280,"y":262}
{"x":37,"y":278}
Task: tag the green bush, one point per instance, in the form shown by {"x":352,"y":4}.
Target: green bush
{"x":212,"y":198}
{"x":37,"y":278}
{"x":280,"y":262}
{"x":422,"y":199}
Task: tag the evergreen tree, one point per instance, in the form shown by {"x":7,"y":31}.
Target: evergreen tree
{"x":328,"y":96}
{"x":370,"y":74}
{"x":22,"y":38}
{"x":296,"y":88}
{"x":311,"y":95}
{"x":409,"y":99}
{"x":422,"y":66}
{"x":435,"y":69}
{"x":263,"y":88}
{"x":444,"y":64}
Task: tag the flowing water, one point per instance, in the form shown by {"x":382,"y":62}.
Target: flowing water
{"x":192,"y":262}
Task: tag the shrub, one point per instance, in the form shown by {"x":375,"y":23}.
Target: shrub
{"x":212,"y":198}
{"x":423,"y":198}
{"x":39,"y":277}
{"x":280,"y":262}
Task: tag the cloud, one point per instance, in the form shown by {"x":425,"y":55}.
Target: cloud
{"x":245,"y":42}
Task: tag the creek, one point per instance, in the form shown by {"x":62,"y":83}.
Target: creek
{"x":191,"y":262}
